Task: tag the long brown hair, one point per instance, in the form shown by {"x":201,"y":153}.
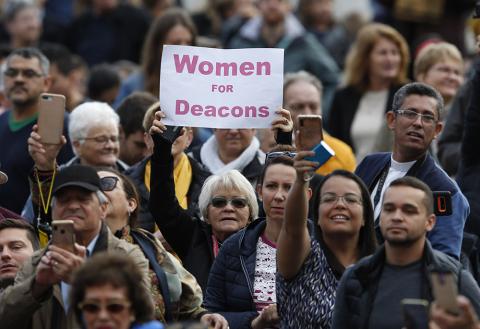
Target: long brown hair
{"x":357,"y":68}
{"x":153,"y":46}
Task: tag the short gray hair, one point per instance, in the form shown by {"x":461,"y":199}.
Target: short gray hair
{"x":29,"y":53}
{"x":421,"y":89}
{"x":88,"y":115}
{"x":230,"y":180}
{"x":291,"y":78}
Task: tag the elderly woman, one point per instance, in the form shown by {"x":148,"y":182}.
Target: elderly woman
{"x":440,"y":65}
{"x":105,"y":294}
{"x":376,"y":67}
{"x":93,"y":132}
{"x":227,"y":203}
{"x":175,"y":292}
{"x":241,"y":285}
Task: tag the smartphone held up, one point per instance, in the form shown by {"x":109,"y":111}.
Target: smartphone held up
{"x":50,"y":118}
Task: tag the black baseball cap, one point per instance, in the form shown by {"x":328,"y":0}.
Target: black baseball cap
{"x":77,"y":176}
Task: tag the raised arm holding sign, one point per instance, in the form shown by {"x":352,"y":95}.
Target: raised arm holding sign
{"x":218,"y":88}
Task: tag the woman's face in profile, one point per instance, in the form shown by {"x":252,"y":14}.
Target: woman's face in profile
{"x":106,"y":307}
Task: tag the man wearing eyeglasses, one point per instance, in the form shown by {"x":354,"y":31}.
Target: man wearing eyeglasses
{"x":25,"y":78}
{"x":39,"y":298}
{"x":415,"y":121}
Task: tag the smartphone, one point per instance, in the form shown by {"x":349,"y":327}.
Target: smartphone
{"x":51,"y":113}
{"x":415,"y":313}
{"x":323,"y":152}
{"x":445,"y":291}
{"x":63,"y":235}
{"x":172,"y":133}
{"x":442,"y":203}
{"x":310,"y":131}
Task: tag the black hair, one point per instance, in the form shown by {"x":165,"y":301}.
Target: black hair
{"x":132,"y":111}
{"x":102,"y":78}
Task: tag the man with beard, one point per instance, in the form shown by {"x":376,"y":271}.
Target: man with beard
{"x":416,"y":119}
{"x":376,"y":285}
{"x":18,"y":241}
{"x":25,"y":78}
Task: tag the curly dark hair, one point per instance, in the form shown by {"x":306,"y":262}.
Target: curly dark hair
{"x":367,"y":241}
{"x":118,"y":270}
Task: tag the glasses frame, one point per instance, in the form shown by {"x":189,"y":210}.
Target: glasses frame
{"x":405,"y":112}
{"x":102,"y":179}
{"x":26,"y":73}
{"x":338,"y":197}
{"x":225,"y":201}
{"x":109,"y":307}
{"x":101,"y":140}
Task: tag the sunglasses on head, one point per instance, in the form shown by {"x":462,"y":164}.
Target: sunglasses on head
{"x":108,"y":183}
{"x":220,"y":202}
{"x":272,"y":155}
{"x":94,"y":308}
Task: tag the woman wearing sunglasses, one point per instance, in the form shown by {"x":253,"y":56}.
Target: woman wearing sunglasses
{"x":309,"y":268}
{"x":105,"y":294}
{"x":176,"y":293}
{"x":196,"y":241}
{"x":241,"y":286}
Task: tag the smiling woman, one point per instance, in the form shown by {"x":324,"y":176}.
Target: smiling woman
{"x":309,"y":269}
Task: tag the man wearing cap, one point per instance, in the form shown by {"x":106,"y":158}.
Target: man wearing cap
{"x":39,"y":297}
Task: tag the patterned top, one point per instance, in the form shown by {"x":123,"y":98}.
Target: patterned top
{"x":307,"y":300}
{"x":265,"y":270}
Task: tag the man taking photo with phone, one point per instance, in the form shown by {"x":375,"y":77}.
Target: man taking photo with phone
{"x":377,"y":284}
{"x":40,"y":296}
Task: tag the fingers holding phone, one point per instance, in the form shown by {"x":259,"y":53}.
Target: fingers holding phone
{"x":467,"y":318}
{"x":43,"y":155}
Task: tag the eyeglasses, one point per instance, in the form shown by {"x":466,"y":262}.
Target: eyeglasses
{"x":348,"y":199}
{"x":102,"y":139}
{"x":108,"y":183}
{"x":113,"y":307}
{"x":220,"y":202}
{"x":410,"y":115}
{"x":27,"y":73}
{"x":272,"y":155}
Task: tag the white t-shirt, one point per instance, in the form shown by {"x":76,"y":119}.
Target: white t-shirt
{"x":368,"y":122}
{"x":396,"y":170}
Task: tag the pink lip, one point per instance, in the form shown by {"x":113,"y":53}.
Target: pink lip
{"x":7,"y":267}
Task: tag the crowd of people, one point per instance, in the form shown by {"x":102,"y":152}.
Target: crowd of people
{"x":239,"y":228}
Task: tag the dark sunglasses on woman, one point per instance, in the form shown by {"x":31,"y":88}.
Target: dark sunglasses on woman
{"x":220,"y":202}
{"x":108,"y":183}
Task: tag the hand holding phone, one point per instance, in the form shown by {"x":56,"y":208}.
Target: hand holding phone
{"x":63,"y":235}
{"x":445,"y":291}
{"x":323,"y":152}
{"x":310,"y":132}
{"x":51,"y":113}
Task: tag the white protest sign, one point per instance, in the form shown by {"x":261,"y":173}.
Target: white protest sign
{"x":221,"y":88}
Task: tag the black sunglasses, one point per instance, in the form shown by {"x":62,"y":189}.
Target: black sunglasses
{"x":220,"y":202}
{"x":108,"y":183}
{"x":94,"y":308}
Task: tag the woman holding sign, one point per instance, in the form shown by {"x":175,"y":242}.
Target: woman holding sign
{"x":309,"y":268}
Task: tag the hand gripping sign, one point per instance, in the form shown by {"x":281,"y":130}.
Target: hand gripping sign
{"x":221,"y":88}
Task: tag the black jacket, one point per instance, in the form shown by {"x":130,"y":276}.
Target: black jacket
{"x":357,"y":288}
{"x":189,"y":236}
{"x":137,"y":174}
{"x":344,"y":107}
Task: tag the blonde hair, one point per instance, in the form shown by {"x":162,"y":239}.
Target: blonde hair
{"x":357,"y":68}
{"x":434,"y":53}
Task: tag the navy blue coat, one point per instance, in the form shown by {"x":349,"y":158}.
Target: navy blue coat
{"x":447,"y":234}
{"x":230,"y":284}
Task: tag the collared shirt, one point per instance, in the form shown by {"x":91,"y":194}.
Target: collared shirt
{"x":65,"y":287}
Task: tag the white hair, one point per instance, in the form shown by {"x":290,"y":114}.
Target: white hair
{"x":88,"y":115}
{"x":230,"y":180}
